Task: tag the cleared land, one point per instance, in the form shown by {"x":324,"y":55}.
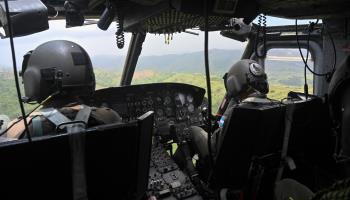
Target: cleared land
{"x":283,"y":77}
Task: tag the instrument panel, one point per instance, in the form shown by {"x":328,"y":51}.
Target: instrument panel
{"x":172,"y":103}
{"x":176,"y":106}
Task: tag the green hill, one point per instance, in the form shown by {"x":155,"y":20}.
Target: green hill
{"x":283,"y":77}
{"x":9,"y":101}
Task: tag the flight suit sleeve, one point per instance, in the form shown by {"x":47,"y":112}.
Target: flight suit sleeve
{"x":289,"y":189}
{"x":105,"y":115}
{"x":16,"y":128}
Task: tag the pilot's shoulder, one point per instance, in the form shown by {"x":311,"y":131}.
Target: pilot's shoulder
{"x":105,"y":115}
{"x":16,"y":127}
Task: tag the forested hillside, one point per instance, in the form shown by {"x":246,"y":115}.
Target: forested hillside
{"x":9,"y":101}
{"x":284,"y":76}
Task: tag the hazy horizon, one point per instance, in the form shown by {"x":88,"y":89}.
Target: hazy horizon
{"x":98,"y":42}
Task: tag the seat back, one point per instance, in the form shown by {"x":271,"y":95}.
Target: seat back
{"x":311,"y":142}
{"x":251,"y":131}
{"x":117,"y":159}
{"x":37,"y":170}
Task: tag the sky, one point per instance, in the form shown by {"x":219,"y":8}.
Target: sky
{"x":98,"y":42}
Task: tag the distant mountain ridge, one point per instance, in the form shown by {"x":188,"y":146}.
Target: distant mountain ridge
{"x":219,"y":60}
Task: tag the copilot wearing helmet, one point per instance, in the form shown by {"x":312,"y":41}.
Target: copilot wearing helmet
{"x":57,"y":74}
{"x":245,"y":78}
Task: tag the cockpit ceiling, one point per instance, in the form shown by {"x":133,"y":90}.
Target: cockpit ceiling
{"x":172,"y":21}
{"x":281,"y":8}
{"x":165,"y":17}
{"x":305,"y":8}
{"x":178,"y":15}
{"x":171,"y":16}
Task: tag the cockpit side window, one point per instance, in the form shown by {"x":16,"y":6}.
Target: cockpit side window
{"x":285,"y":71}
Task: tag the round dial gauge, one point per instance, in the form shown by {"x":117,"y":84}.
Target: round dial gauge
{"x":169,"y":111}
{"x":189,"y":98}
{"x":167,"y":100}
{"x":190,"y":108}
{"x":158,"y":100}
{"x":160,"y":112}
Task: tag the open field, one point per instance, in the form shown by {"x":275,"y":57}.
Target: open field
{"x":281,"y":82}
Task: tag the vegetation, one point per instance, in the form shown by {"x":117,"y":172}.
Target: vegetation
{"x":278,"y":90}
{"x":9,"y":101}
{"x":282,"y":78}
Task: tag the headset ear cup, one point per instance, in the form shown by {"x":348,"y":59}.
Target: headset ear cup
{"x":25,"y":62}
{"x":31,"y":80}
{"x":232,"y":85}
{"x":262,"y":87}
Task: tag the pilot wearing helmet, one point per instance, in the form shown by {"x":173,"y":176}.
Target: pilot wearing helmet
{"x":58,"y":74}
{"x":246,"y":81}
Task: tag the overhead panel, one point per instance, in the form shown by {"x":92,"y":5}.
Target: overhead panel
{"x":178,"y":15}
{"x":172,"y":21}
{"x":305,"y":8}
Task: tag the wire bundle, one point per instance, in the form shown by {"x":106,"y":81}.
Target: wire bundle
{"x":329,"y":74}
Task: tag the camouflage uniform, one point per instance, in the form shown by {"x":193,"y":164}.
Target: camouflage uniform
{"x":288,"y":189}
{"x":98,"y":116}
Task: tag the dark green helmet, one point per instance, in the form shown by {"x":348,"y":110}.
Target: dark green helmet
{"x":245,"y":77}
{"x":58,"y":66}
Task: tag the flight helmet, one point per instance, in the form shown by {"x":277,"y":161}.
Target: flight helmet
{"x":60,"y":67}
{"x":245,"y":77}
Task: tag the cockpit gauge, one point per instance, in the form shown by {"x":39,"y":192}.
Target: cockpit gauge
{"x":190,"y":108}
{"x":160,"y":112}
{"x":169,"y":112}
{"x":170,"y":102}
{"x":150,"y":101}
{"x":158,"y":100}
{"x":144,"y":102}
{"x":189,"y":98}
{"x":167,"y":100}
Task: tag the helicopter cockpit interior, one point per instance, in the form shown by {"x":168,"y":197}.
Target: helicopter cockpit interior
{"x":297,"y":137}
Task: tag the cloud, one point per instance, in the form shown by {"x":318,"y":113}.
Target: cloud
{"x":98,"y":42}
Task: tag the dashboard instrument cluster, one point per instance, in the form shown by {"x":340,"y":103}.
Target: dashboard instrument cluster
{"x":176,"y":107}
{"x":174,"y":104}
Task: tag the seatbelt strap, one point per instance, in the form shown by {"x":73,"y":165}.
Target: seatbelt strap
{"x":290,"y":108}
{"x":83,"y":114}
{"x":54,"y":116}
{"x":77,"y":145}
